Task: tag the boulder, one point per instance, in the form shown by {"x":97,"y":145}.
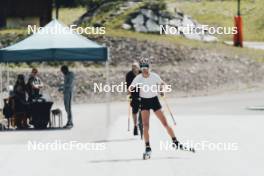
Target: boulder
{"x":163,"y":21}
{"x":179,"y":15}
{"x":175,"y":22}
{"x":126,"y":26}
{"x":187,"y":22}
{"x":149,"y":14}
{"x":152,"y":26}
{"x":140,"y":28}
{"x":165,"y":14}
{"x":169,"y":30}
{"x":139,"y":20}
{"x":192,"y":36}
{"x":209,"y":38}
{"x":149,"y":20}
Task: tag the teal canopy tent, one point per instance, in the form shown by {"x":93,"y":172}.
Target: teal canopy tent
{"x":54,"y":42}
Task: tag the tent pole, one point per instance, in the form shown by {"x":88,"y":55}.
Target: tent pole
{"x":1,"y":85}
{"x":7,"y":76}
{"x":108,"y":109}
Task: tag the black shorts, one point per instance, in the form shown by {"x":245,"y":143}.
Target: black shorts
{"x":150,"y":103}
{"x":135,"y":103}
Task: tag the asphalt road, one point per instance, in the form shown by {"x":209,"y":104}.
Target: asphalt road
{"x":216,"y":120}
{"x":254,"y":45}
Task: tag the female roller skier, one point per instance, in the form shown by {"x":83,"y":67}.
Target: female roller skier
{"x":148,"y":83}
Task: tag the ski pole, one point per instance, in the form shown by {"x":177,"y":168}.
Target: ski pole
{"x":167,"y":105}
{"x":129,"y":113}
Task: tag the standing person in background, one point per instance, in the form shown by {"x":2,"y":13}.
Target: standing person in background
{"x":134,"y":97}
{"x":34,"y":85}
{"x":67,"y":89}
{"x":20,"y":105}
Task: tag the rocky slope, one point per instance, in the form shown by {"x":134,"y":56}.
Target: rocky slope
{"x":153,"y":20}
{"x":190,"y":71}
{"x":146,"y":17}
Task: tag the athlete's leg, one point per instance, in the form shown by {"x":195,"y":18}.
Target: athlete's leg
{"x":135,"y":131}
{"x":170,"y":131}
{"x":164,"y":122}
{"x":67,"y":104}
{"x":135,"y":119}
{"x":135,"y":108}
{"x":145,"y":120}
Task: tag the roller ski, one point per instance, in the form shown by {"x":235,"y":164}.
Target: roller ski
{"x":147,"y":153}
{"x":179,"y":146}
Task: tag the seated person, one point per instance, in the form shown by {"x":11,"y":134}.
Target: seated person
{"x":20,"y":103}
{"x":34,"y":85}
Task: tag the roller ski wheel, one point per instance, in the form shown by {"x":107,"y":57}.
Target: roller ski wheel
{"x":179,"y":146}
{"x":147,"y":154}
{"x":192,"y":150}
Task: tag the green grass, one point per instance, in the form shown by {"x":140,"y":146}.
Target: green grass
{"x":207,"y":12}
{"x":218,"y":47}
{"x":214,"y":13}
{"x":117,"y":21}
{"x":17,"y":31}
{"x":221,"y":13}
{"x":69,"y":15}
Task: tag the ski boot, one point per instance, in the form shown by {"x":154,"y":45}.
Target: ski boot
{"x":135,"y":131}
{"x":147,"y":153}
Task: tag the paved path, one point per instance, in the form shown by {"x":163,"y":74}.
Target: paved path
{"x":215,"y":119}
{"x":254,"y":45}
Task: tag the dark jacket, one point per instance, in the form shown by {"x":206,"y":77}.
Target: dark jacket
{"x":129,"y":78}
